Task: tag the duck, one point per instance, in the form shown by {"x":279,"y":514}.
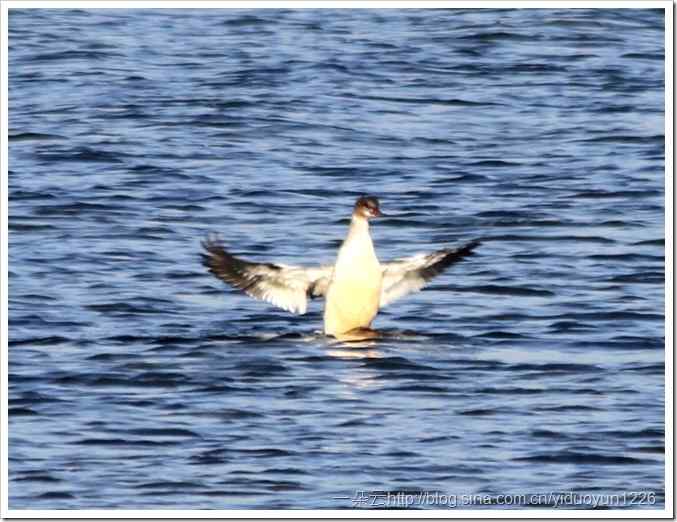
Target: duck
{"x":355,"y":287}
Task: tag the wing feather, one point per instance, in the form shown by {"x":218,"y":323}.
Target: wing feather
{"x":407,"y":275}
{"x":286,"y":287}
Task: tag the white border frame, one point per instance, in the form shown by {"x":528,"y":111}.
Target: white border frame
{"x":667,"y":512}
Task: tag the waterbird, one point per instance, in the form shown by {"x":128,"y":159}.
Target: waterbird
{"x":355,"y":287}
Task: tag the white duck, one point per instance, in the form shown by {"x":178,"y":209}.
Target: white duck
{"x":355,"y":287}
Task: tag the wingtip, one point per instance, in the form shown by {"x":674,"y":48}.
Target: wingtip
{"x":212,"y":239}
{"x":212,"y":246}
{"x":467,"y":249}
{"x":472,"y":245}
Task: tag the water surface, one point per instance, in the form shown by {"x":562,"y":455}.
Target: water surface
{"x":137,"y":380}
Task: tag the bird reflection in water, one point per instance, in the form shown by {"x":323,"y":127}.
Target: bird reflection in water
{"x":363,"y":349}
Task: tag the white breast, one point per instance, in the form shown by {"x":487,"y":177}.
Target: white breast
{"x":356,"y":256}
{"x":354,"y":292}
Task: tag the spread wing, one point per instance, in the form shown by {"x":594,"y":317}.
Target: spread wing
{"x":287,"y":287}
{"x":410,"y":274}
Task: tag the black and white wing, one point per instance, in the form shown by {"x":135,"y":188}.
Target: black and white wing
{"x":287,"y":287}
{"x":403,"y":276}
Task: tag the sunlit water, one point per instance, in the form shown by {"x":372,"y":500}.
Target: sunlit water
{"x":139,"y":381}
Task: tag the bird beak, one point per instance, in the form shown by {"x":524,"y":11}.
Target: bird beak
{"x":377,"y":213}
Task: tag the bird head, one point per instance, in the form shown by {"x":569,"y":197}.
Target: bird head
{"x":367,"y":207}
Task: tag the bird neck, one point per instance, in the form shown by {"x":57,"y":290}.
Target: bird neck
{"x":359,"y":228}
{"x":358,"y":238}
{"x":357,"y":250}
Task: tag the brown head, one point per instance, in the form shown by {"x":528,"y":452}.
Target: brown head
{"x":367,"y":207}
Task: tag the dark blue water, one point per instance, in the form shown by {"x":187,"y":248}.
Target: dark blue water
{"x":137,"y":380}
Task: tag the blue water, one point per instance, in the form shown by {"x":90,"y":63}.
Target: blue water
{"x":137,"y":380}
